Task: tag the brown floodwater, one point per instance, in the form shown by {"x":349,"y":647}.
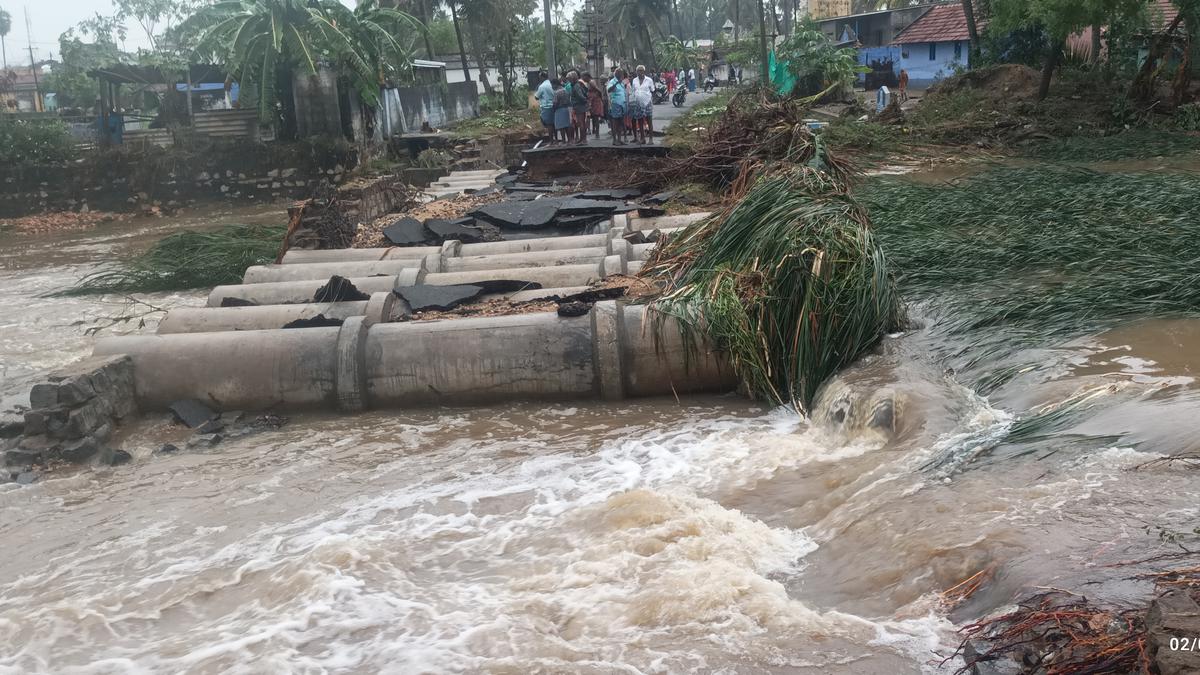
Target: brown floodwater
{"x":710,"y":534}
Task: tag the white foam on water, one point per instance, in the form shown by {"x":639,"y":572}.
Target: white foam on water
{"x":484,"y":559}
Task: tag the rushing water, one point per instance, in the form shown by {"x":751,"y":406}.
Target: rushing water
{"x":655,"y":536}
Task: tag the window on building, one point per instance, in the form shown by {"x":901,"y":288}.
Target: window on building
{"x":933,"y":51}
{"x":958,"y":51}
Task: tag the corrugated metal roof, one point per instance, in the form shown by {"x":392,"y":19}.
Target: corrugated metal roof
{"x":943,"y":23}
{"x":1165,"y":11}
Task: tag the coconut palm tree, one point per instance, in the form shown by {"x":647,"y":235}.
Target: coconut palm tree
{"x":263,"y":41}
{"x":630,"y":25}
{"x":5,"y":27}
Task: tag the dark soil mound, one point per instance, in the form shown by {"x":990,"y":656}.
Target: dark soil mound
{"x":1003,"y":83}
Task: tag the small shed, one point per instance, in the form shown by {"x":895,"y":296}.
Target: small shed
{"x":935,"y":45}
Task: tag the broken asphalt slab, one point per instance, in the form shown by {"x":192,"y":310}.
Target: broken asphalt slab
{"x":618,"y":194}
{"x":406,"y":232}
{"x":449,"y":229}
{"x":339,"y":289}
{"x":425,"y":298}
{"x":191,"y":412}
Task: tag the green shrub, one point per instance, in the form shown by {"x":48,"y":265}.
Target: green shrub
{"x":861,"y":136}
{"x":24,"y":141}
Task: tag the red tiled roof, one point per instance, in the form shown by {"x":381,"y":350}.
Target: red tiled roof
{"x":942,"y":23}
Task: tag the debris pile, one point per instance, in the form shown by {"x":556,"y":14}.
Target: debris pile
{"x":755,"y":134}
{"x":59,"y":221}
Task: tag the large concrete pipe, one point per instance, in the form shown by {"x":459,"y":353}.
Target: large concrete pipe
{"x":243,"y":370}
{"x":571,"y":256}
{"x":526,"y":356}
{"x":215,"y":319}
{"x":265,"y":274}
{"x":663,"y":222}
{"x":657,"y":359}
{"x":534,"y":245}
{"x":548,"y":277}
{"x":616,"y":351}
{"x":299,"y":256}
{"x":302,"y":292}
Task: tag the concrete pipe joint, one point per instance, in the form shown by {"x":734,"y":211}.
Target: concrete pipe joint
{"x":614,"y":352}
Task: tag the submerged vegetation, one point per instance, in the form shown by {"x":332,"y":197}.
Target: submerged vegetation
{"x":188,"y":260}
{"x":1052,"y":250}
{"x":789,"y":280}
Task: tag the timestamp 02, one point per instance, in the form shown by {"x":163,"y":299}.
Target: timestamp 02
{"x":1185,"y":644}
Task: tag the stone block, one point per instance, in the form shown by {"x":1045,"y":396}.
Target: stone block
{"x":86,"y":419}
{"x":43,"y":395}
{"x":77,"y":451}
{"x":75,"y":391}
{"x":22,"y":458}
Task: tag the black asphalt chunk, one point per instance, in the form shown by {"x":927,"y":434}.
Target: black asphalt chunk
{"x":618,"y":194}
{"x":449,"y":229}
{"x":425,"y":298}
{"x":339,"y":289}
{"x":661,"y":197}
{"x":191,"y":412}
{"x":318,"y":321}
{"x":406,"y":232}
{"x":237,"y":302}
{"x":572,"y":309}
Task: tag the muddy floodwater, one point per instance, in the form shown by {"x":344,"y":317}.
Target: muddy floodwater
{"x":710,"y":534}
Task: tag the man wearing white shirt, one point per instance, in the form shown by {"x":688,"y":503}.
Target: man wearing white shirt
{"x":643,"y":106}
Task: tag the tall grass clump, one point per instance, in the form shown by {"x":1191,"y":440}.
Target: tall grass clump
{"x":187,"y":260}
{"x":1129,"y":145}
{"x":1043,"y":252}
{"x":789,"y":281}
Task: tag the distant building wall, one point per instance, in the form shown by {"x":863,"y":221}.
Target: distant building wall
{"x":318,"y":110}
{"x":924,"y":70}
{"x":820,"y":9}
{"x":405,"y":109}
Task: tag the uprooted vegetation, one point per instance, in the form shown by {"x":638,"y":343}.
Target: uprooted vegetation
{"x":187,"y":260}
{"x":1088,"y":116}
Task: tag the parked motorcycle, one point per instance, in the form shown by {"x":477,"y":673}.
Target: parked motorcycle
{"x":679,"y":97}
{"x":659,"y":95}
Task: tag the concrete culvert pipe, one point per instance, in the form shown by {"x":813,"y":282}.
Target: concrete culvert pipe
{"x":534,"y":245}
{"x":548,"y":277}
{"x":612,"y":353}
{"x":300,"y":257}
{"x":216,"y":319}
{"x":572,"y":256}
{"x":301,"y":292}
{"x":242,"y":370}
{"x":663,"y":222}
{"x":265,"y":274}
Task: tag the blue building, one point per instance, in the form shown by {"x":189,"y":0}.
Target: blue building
{"x":935,"y":45}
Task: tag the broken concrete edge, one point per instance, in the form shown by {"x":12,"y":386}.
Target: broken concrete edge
{"x":74,"y":412}
{"x":613,"y":352}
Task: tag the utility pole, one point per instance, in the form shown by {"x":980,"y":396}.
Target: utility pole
{"x":765,"y":70}
{"x":37,"y":88}
{"x":551,"y":62}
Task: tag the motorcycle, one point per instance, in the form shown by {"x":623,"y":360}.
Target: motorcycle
{"x":679,"y":97}
{"x":659,"y":95}
{"x":710,"y":83}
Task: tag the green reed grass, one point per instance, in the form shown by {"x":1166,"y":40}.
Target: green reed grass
{"x":789,"y":281}
{"x":1043,"y":251}
{"x":1135,"y":144}
{"x":187,"y":260}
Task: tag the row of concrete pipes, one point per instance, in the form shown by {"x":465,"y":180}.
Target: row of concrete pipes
{"x":239,"y":358}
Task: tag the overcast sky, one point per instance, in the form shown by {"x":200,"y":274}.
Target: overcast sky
{"x":49,"y":18}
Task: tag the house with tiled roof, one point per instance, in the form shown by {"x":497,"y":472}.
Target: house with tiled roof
{"x":935,"y":45}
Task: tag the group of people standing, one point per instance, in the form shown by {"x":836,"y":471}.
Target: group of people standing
{"x":571,"y":103}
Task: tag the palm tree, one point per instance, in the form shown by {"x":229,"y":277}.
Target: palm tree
{"x":629,"y":26}
{"x":264,"y":41}
{"x":5,"y":27}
